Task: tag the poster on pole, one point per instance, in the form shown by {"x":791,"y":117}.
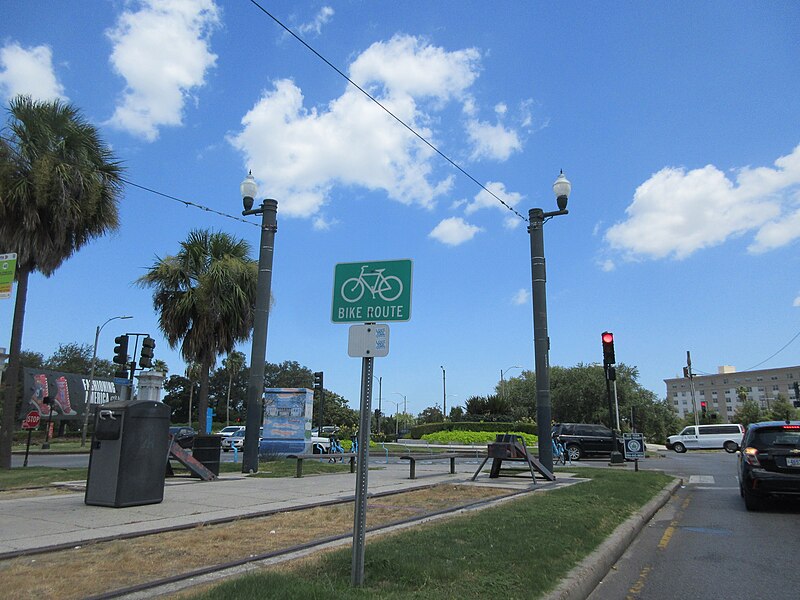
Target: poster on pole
{"x":8,"y":266}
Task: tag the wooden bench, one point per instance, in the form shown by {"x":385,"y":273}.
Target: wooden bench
{"x":301,"y":457}
{"x":452,"y":456}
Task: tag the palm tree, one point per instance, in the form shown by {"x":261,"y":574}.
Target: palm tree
{"x":233,"y":364}
{"x":192,"y":374}
{"x":205,"y":295}
{"x":59,"y":189}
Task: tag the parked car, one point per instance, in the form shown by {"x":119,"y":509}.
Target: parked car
{"x":183,"y":435}
{"x":727,"y":436}
{"x":230,"y":430}
{"x":586,"y":439}
{"x":769,"y":462}
{"x":236,"y":440}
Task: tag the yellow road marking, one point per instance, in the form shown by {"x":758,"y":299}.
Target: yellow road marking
{"x":639,"y":585}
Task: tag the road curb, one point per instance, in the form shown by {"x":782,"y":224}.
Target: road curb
{"x":585,"y":577}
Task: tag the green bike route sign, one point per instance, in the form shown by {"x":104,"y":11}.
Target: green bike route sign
{"x":366,"y":292}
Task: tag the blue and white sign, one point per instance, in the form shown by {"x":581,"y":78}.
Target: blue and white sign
{"x":633,"y":444}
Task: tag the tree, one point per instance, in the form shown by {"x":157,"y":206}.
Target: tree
{"x":233,"y":364}
{"x":205,"y":296}
{"x":782,"y":409}
{"x":748,"y":412}
{"x":432,"y":414}
{"x":160,"y":366}
{"x":59,"y":189}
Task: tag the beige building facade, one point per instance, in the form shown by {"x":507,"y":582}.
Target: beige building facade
{"x":719,"y":391}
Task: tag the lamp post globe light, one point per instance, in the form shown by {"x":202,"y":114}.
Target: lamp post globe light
{"x":537,"y":218}
{"x":255,"y":386}
{"x":91,"y":377}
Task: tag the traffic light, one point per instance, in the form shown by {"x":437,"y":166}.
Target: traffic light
{"x":318,"y":381}
{"x":121,"y":356}
{"x":686,"y":371}
{"x":608,"y":348}
{"x":121,"y":350}
{"x":146,"y":360}
{"x":703,"y":407}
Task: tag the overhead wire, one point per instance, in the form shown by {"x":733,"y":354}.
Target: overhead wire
{"x":389,"y":112}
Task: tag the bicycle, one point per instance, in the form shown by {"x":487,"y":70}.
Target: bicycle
{"x":559,"y":453}
{"x":388,"y":288}
{"x":336,"y":448}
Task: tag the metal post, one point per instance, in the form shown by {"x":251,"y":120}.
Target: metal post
{"x":444,"y":394}
{"x":691,"y":387}
{"x":91,"y":378}
{"x":616,"y":455}
{"x":616,"y":402}
{"x":255,"y":386}
{"x":541,"y":341}
{"x":360,"y":516}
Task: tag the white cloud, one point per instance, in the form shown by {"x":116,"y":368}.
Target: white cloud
{"x":494,"y":142}
{"x":29,"y":71}
{"x":484,"y":199}
{"x":796,"y":301}
{"x":677,"y":212}
{"x":407,"y":66}
{"x":607,"y":265}
{"x":303,"y":152}
{"x":521,"y":297}
{"x":454,"y":231}
{"x":322,"y":18}
{"x":162,"y":51}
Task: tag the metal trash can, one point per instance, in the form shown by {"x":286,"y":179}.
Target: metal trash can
{"x":206,"y":450}
{"x":128,"y":454}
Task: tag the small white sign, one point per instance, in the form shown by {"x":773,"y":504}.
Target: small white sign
{"x":367,"y":341}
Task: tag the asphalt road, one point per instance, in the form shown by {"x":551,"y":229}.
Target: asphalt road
{"x":704,"y":544}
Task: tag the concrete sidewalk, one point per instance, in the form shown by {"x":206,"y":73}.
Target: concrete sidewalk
{"x":43,"y":521}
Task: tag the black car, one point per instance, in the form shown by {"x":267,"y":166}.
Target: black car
{"x":585,"y":439}
{"x":769,"y":462}
{"x":183,"y":435}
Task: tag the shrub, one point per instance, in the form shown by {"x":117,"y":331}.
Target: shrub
{"x":474,"y":437}
{"x":418,"y":431}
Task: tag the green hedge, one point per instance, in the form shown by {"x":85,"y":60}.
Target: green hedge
{"x":419,"y":430}
{"x":473,"y":437}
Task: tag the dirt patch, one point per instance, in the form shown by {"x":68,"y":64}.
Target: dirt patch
{"x":105,"y":566}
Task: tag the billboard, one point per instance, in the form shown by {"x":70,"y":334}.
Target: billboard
{"x":287,"y":421}
{"x":67,"y":390}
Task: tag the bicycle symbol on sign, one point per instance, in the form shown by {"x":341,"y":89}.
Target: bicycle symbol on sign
{"x":388,"y":288}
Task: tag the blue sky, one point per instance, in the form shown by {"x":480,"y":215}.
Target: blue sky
{"x":676,"y":123}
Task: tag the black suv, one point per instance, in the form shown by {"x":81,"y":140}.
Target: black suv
{"x":769,"y":462}
{"x":585,"y":439}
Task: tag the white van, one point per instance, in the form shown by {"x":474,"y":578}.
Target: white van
{"x":727,"y":436}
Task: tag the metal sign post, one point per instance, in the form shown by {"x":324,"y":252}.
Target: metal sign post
{"x":360,"y":519}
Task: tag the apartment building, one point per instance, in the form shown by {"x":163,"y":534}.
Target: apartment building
{"x":720,"y":391}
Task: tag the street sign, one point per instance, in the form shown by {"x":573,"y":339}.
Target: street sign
{"x":368,"y":340}
{"x":8,"y":265}
{"x":372,"y":291}
{"x":31,"y":420}
{"x":633,"y":444}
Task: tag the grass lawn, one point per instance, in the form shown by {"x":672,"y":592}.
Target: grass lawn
{"x":521,"y":549}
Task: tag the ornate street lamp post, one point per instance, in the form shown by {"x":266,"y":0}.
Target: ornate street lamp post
{"x":255,"y":386}
{"x":541,"y":343}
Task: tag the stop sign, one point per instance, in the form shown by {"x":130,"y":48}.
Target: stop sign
{"x":31,"y":420}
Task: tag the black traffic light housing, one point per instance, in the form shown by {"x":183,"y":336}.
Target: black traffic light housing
{"x":121,"y":356}
{"x":318,"y":381}
{"x":146,"y":360}
{"x":703,"y":407}
{"x":608,"y":348}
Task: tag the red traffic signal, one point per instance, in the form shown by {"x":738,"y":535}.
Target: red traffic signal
{"x":703,"y":407}
{"x":608,"y":348}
